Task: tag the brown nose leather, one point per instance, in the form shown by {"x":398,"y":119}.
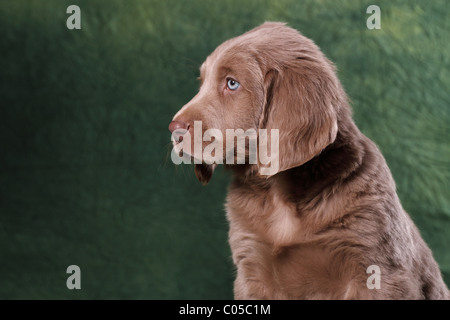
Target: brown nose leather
{"x":174,"y":125}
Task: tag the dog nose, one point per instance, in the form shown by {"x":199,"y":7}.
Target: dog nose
{"x":175,"y":125}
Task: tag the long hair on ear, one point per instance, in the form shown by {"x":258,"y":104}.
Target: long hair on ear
{"x":303,"y":97}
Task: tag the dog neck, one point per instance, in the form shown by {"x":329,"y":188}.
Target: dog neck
{"x":333,"y":165}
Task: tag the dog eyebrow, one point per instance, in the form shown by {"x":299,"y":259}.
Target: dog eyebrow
{"x":202,"y":73}
{"x":224,"y":71}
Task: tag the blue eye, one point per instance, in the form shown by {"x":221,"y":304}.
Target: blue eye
{"x":233,"y":84}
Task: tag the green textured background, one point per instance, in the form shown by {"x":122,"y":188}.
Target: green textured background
{"x":85,"y":170}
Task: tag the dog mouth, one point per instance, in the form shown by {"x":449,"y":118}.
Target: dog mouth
{"x":183,"y":147}
{"x":177,"y":139}
{"x":177,"y":135}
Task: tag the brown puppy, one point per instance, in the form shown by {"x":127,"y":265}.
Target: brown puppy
{"x":316,"y":227}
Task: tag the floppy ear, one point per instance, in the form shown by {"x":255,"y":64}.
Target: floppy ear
{"x":301,"y":104}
